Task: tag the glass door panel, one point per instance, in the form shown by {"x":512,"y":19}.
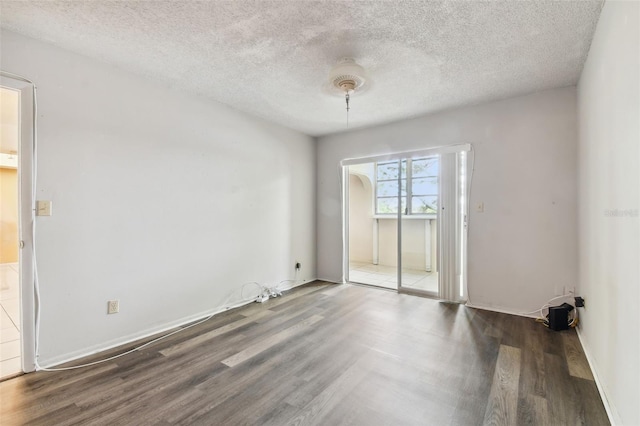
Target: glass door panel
{"x":418,"y":228}
{"x":372,"y":237}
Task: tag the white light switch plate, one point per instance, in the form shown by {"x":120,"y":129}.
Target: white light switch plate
{"x":43,"y":208}
{"x":480,"y":207}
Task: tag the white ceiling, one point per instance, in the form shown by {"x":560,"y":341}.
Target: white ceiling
{"x":272,"y":58}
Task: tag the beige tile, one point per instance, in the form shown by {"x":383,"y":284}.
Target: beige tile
{"x":9,"y":334}
{"x":12,"y":308}
{"x":8,"y":277}
{"x":354,"y":275}
{"x":5,"y":321}
{"x":10,"y":367}
{"x":9,"y":294}
{"x":371,"y":279}
{"x":386,"y":276}
{"x":427,"y":284}
{"x":10,"y":350}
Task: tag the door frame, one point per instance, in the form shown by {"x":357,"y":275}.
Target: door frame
{"x":426,"y":152}
{"x":26,"y":214}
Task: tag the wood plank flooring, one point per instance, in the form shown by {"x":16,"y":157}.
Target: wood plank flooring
{"x":328,"y":355}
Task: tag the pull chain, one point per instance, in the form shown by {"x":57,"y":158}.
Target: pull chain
{"x":346,"y":96}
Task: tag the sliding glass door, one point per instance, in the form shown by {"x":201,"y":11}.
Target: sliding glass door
{"x":372,"y":237}
{"x":405,"y":222}
{"x":418,"y":228}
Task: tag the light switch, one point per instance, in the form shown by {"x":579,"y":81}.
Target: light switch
{"x":480,"y":207}
{"x":43,"y":208}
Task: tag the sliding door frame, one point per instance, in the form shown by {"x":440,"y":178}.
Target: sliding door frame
{"x":459,"y":247}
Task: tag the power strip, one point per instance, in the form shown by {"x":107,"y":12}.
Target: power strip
{"x":262,"y":298}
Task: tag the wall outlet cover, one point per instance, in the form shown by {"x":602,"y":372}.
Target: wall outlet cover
{"x":113,"y":306}
{"x":43,"y":208}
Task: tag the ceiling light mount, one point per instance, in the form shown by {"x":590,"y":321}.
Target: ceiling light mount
{"x":348,"y":77}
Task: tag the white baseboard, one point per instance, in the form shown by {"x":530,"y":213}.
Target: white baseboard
{"x":501,"y":310}
{"x":303,"y":282}
{"x":611,"y":413}
{"x":92,"y":350}
{"x":330,"y":280}
{"x":105,"y":346}
{"x":614,"y":419}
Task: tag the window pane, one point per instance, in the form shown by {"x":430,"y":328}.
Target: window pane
{"x":390,"y":188}
{"x":390,"y":205}
{"x":425,"y":186}
{"x":424,"y":167}
{"x":388,"y":171}
{"x":387,"y":205}
{"x":424,"y":205}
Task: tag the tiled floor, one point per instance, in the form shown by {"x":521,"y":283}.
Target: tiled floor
{"x":9,"y":320}
{"x":386,"y":276}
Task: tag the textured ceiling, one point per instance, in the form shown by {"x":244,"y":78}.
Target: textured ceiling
{"x":272,"y":58}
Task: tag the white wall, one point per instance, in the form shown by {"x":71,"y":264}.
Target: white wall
{"x":609,"y":135}
{"x":522,"y":249}
{"x":163,"y":200}
{"x":360,"y":219}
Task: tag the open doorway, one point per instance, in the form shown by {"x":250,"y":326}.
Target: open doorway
{"x":10,"y":342}
{"x":405,"y":221}
{"x":17,"y":261}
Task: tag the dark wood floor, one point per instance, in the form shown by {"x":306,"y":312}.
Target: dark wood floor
{"x":329,"y":355}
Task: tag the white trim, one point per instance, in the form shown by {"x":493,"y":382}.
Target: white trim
{"x":614,"y":419}
{"x":121,"y":341}
{"x":344,"y":177}
{"x":500,"y":310}
{"x":375,"y":259}
{"x":331,"y":281}
{"x":608,"y":407}
{"x":447,"y":149}
{"x":447,"y":229}
{"x":95,"y":349}
{"x":26,"y":170}
{"x":8,"y":161}
{"x":427,"y":246}
{"x":407,"y":217}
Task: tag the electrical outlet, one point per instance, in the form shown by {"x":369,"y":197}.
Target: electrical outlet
{"x":113,"y":306}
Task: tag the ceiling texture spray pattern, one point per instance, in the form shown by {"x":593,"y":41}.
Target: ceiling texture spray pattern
{"x":272,"y":58}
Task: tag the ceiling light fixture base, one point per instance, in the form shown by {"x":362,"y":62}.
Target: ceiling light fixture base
{"x":347,"y":76}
